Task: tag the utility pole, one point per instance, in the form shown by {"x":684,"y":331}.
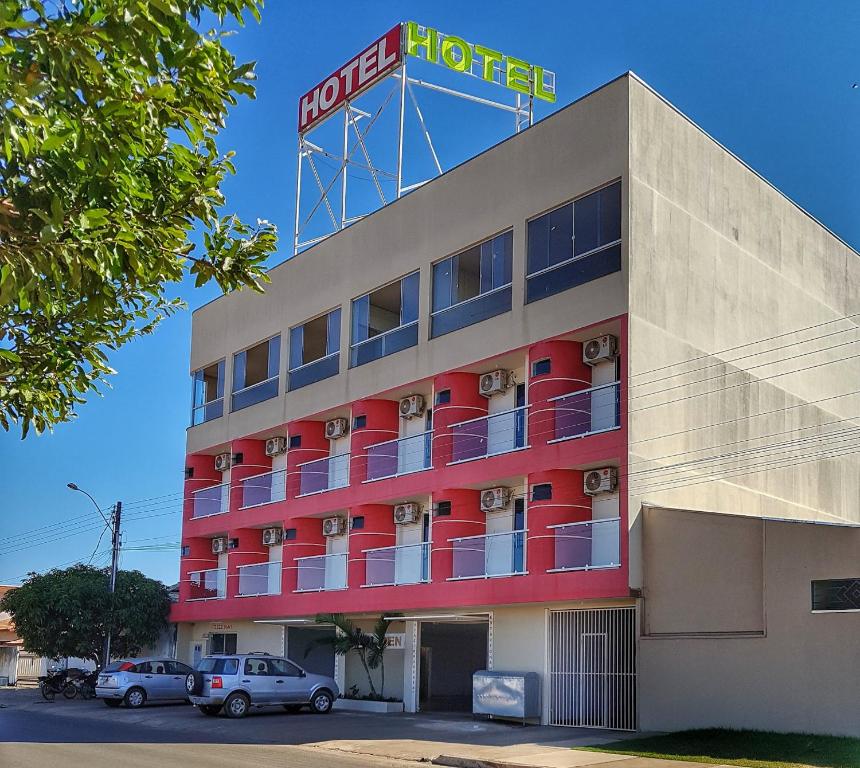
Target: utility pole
{"x":116,"y":517}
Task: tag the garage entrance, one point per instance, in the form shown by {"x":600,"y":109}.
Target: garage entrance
{"x":591,"y":660}
{"x":449,"y":653}
{"x":303,"y":648}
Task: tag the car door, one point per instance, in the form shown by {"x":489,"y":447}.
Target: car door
{"x":159,"y":680}
{"x":290,"y":682}
{"x":258,"y":681}
{"x":175,"y":680}
{"x":144,"y":676}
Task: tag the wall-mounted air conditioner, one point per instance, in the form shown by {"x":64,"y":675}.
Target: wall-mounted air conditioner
{"x":275,"y":446}
{"x":272,"y":536}
{"x":599,"y":350}
{"x":333,"y":526}
{"x":406,"y":513}
{"x":336,"y":428}
{"x":219,"y":545}
{"x":222,"y":462}
{"x":411,"y":406}
{"x":495,"y":498}
{"x":494,"y":383}
{"x":597,"y":481}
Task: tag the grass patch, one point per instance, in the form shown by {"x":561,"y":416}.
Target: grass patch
{"x":754,"y":749}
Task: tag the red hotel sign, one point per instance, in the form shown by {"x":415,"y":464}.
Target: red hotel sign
{"x":371,"y":65}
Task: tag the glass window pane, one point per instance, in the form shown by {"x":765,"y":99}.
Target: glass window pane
{"x":198,"y":389}
{"x":360,"y":319}
{"x":587,"y":223}
{"x":561,"y":234}
{"x":467,"y":274}
{"x":442,"y":285}
{"x":502,"y":251}
{"x":274,"y":356}
{"x":486,"y":282}
{"x":296,"y":351}
{"x":219,"y":391}
{"x":409,"y":299}
{"x":538,"y":244}
{"x":238,"y":371}
{"x":333,"y":340}
{"x":610,"y":214}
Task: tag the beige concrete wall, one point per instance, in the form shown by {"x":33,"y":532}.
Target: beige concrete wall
{"x":802,"y":673}
{"x":719,"y":259}
{"x":251,"y":637}
{"x":574,"y":151}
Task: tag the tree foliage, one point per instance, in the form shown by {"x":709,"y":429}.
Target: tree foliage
{"x":368,"y":646}
{"x":109,"y":173}
{"x":67,"y":612}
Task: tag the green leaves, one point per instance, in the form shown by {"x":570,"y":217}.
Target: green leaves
{"x":109,"y":175}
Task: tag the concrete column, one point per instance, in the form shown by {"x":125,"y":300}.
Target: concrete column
{"x":567,"y":374}
{"x":411,"y":648}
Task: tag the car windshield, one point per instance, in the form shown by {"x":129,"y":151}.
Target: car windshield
{"x":219,"y":666}
{"x":114,"y":666}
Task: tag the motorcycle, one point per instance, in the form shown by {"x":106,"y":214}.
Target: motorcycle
{"x":86,"y":684}
{"x":57,"y":681}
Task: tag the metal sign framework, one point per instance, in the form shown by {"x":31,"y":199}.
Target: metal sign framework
{"x":309,"y":151}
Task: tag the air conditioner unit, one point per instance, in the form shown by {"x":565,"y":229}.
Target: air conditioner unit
{"x":336,"y":428}
{"x":272,"y":536}
{"x":411,"y":406}
{"x":406,"y":513}
{"x":333,"y":526}
{"x":219,"y":545}
{"x":493,"y":383}
{"x":275,"y":446}
{"x":597,"y":481}
{"x":599,"y":350}
{"x":222,"y":462}
{"x":495,"y":498}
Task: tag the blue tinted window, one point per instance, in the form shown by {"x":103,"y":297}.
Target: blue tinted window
{"x":409,"y":299}
{"x":360,"y":319}
{"x":442,"y":285}
{"x":296,"y":342}
{"x":333,"y":340}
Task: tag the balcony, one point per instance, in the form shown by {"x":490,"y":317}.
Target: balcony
{"x":588,"y":545}
{"x":214,"y":500}
{"x":489,"y":556}
{"x":399,"y":457}
{"x":402,"y":337}
{"x":403,"y":564}
{"x":265,"y":488}
{"x":316,"y":370}
{"x":587,"y":412}
{"x":214,"y":409}
{"x":260,"y":579}
{"x":256,"y":393}
{"x":489,"y":435}
{"x":208,"y":585}
{"x":320,"y":573}
{"x":470,"y":311}
{"x":324,"y":474}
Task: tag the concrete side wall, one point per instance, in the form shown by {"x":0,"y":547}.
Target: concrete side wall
{"x":573,"y":152}
{"x":251,"y":637}
{"x":720,"y":259}
{"x":802,"y":673}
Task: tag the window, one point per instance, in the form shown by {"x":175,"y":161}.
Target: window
{"x":222,"y":642}
{"x":219,"y":666}
{"x":443,"y":397}
{"x":185,"y":551}
{"x":357,"y":523}
{"x":283,"y":667}
{"x":144,"y":668}
{"x":574,"y":244}
{"x":359,"y":422}
{"x":295,"y":441}
{"x":255,"y":373}
{"x":443,"y":508}
{"x":290,"y":534}
{"x":472,"y":286}
{"x":836,"y":595}
{"x":541,"y":367}
{"x":315,"y":350}
{"x":542,"y":492}
{"x":385,"y":321}
{"x":207,"y":398}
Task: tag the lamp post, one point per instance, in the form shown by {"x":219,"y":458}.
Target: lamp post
{"x":113,"y":524}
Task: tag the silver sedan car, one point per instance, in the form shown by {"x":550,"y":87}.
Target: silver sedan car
{"x":133,"y":682}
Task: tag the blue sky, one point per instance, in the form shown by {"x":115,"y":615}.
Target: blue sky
{"x":770,"y":80}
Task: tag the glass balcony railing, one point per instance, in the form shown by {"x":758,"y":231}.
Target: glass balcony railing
{"x":214,"y":409}
{"x":470,"y":311}
{"x":587,"y":545}
{"x":319,"y":573}
{"x":489,"y":435}
{"x":399,"y":457}
{"x":495,"y":554}
{"x":324,"y":474}
{"x":214,"y":500}
{"x":256,"y":393}
{"x":586,"y":412}
{"x":208,"y":585}
{"x":264,"y":489}
{"x":315,"y":371}
{"x":403,"y":564}
{"x":387,"y":343}
{"x":260,"y":579}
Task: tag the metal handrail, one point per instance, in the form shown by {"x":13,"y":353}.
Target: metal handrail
{"x":400,"y":439}
{"x":251,"y":386}
{"x":472,"y":298}
{"x":262,"y":474}
{"x":598,"y":249}
{"x":584,"y":391}
{"x":381,"y":335}
{"x":324,"y":458}
{"x":489,"y":416}
{"x":313,"y":362}
{"x":490,"y":535}
{"x":397,"y":546}
{"x":585,"y":522}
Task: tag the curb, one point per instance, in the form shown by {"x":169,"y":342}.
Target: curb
{"x":471,"y":762}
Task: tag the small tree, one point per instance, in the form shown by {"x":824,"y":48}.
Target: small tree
{"x":67,"y":612}
{"x":369,"y":647}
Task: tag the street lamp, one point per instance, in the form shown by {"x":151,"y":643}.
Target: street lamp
{"x":113,"y":524}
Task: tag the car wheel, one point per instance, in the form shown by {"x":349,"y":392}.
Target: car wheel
{"x":293,"y":708}
{"x":210,"y":709}
{"x":321,"y":702}
{"x":135,"y":698}
{"x":237,"y":705}
{"x":112,"y":702}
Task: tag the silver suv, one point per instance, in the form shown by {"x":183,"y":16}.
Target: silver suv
{"x":237,"y":682}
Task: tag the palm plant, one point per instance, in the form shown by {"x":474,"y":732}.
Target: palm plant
{"x":369,"y":647}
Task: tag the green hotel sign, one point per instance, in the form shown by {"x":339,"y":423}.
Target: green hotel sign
{"x":480,"y":61}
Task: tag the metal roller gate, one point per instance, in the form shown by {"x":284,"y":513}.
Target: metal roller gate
{"x":591,"y":665}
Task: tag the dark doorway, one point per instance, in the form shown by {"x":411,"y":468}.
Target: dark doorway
{"x":304,"y":649}
{"x":450,"y":654}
